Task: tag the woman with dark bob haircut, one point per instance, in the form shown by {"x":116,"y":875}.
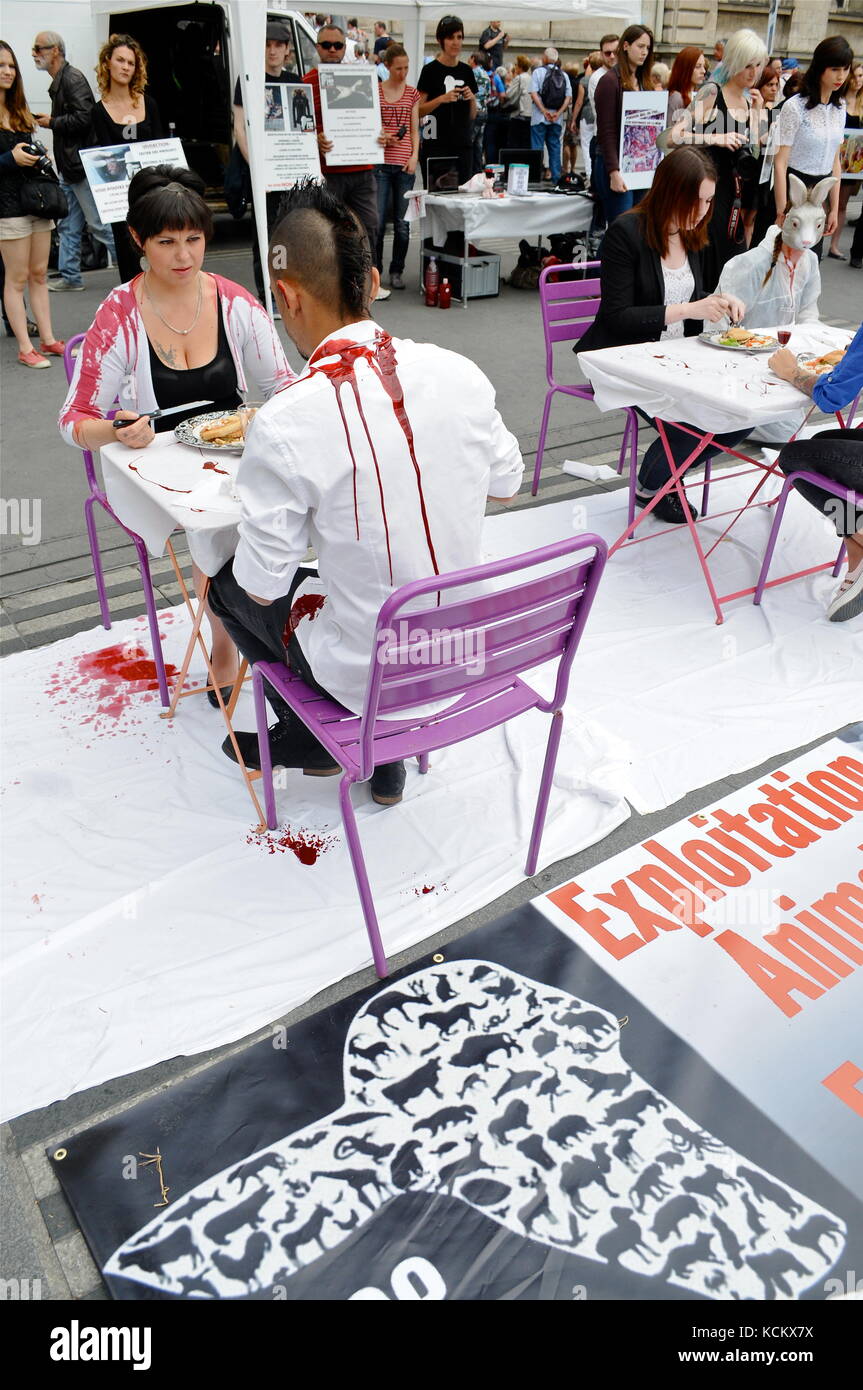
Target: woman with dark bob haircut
{"x":652,"y":280}
{"x":812,"y":127}
{"x":174,"y":334}
{"x":447,"y":89}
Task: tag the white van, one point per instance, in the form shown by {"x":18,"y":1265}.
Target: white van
{"x":190,"y":66}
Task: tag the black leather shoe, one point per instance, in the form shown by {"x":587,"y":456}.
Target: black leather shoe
{"x":388,"y":783}
{"x":669,"y":508}
{"x":289,"y":747}
{"x":225,"y":693}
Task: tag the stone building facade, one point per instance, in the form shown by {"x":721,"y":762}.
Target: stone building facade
{"x":801,"y":24}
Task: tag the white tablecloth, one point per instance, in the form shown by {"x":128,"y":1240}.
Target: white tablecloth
{"x":167,"y":485}
{"x":533,"y":215}
{"x":690,"y":381}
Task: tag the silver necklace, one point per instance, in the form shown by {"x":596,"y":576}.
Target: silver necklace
{"x":181,"y":332}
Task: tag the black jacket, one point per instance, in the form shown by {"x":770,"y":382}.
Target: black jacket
{"x":11,"y":174}
{"x":71,"y":116}
{"x":633,"y":290}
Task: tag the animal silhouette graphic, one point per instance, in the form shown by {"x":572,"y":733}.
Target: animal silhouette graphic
{"x":659,"y":1196}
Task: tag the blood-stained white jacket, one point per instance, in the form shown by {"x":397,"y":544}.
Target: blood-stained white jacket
{"x":114,"y":361}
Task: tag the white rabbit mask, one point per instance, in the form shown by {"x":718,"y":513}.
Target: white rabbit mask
{"x":805,"y":220}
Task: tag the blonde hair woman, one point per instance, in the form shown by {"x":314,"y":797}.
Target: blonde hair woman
{"x":25,"y":241}
{"x":725,"y":117}
{"x":519,"y":103}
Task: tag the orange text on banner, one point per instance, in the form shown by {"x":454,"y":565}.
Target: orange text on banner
{"x":843,"y":1082}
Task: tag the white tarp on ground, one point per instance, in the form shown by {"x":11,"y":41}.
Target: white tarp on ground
{"x":144,"y":917}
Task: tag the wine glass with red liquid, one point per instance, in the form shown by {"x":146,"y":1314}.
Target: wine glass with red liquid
{"x":784,"y":336}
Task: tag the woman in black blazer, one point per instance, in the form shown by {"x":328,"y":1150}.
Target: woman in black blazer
{"x":653,"y":288}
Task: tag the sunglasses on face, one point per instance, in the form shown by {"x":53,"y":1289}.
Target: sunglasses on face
{"x":336,"y":46}
{"x":43,"y":47}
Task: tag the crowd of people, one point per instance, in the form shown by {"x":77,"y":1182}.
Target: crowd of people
{"x":172,"y":334}
{"x":759,"y":117}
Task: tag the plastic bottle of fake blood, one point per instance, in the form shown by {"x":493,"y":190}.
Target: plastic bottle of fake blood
{"x":444,"y":295}
{"x":432,"y":282}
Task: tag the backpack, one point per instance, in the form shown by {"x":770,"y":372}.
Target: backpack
{"x":525,"y":275}
{"x":554,"y":89}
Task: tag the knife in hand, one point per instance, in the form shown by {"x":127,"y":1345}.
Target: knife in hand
{"x":161,"y":414}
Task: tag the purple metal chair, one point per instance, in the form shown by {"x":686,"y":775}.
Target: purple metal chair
{"x":98,"y":496}
{"x":829,"y":485}
{"x":428,"y":654}
{"x":568,"y":308}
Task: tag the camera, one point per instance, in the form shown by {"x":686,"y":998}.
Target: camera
{"x":43,"y":164}
{"x":401,"y":132}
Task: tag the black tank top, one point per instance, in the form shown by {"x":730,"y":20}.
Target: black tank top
{"x":216,"y":381}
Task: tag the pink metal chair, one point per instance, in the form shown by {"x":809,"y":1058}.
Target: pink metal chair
{"x":428,"y":654}
{"x":98,"y":496}
{"x":848,"y":495}
{"x":568,"y":308}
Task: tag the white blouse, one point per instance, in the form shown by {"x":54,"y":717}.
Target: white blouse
{"x":814,"y":135}
{"x":679,"y":289}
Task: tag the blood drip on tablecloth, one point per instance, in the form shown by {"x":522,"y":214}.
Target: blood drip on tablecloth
{"x":307,"y":845}
{"x":133,"y":467}
{"x":306,"y":606}
{"x":106,"y":685}
{"x":214,"y":467}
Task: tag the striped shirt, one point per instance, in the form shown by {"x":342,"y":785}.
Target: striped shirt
{"x":394,"y":115}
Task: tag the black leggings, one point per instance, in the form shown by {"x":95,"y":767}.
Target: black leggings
{"x":838,"y":454}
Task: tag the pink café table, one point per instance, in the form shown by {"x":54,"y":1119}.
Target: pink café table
{"x":682,"y":380}
{"x":155,"y":491}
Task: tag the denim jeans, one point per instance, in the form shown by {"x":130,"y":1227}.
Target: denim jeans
{"x":547,"y":133}
{"x":394,"y":184}
{"x":478,"y":144}
{"x":655,"y":469}
{"x":613,"y":204}
{"x":82,"y":211}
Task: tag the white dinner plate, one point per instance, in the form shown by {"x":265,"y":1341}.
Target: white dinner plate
{"x":189,"y":432}
{"x":712,"y":339}
{"x":805,"y":359}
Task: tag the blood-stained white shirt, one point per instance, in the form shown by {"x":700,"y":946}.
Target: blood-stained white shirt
{"x":380,"y":456}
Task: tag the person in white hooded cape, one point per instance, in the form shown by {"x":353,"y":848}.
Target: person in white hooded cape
{"x":790,"y":296}
{"x":791,"y":293}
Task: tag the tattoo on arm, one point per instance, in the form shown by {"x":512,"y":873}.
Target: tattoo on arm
{"x":804,"y":381}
